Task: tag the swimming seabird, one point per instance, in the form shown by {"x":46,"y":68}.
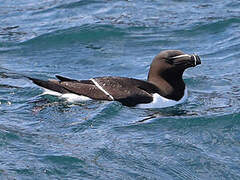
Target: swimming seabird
{"x":164,"y":86}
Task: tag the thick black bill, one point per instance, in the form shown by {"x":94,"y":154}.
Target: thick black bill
{"x":196,"y":59}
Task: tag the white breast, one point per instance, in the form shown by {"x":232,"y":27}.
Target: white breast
{"x":162,"y":102}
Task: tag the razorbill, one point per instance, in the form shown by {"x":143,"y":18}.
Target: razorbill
{"x":164,"y":86}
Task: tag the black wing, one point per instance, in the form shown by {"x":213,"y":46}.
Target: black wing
{"x":61,"y":78}
{"x":128,"y":91}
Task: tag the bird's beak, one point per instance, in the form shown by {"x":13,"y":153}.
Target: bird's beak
{"x":194,"y":58}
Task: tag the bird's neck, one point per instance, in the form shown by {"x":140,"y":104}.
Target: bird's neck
{"x":170,"y":85}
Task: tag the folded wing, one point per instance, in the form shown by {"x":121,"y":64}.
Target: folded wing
{"x":128,"y":91}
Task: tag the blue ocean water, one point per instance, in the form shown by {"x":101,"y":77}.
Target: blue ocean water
{"x":43,"y":137}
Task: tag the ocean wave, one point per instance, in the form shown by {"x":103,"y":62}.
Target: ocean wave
{"x":44,"y":137}
{"x":83,"y":35}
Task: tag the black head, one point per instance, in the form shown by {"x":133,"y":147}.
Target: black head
{"x":172,"y":61}
{"x":178,"y":59}
{"x":167,"y":69}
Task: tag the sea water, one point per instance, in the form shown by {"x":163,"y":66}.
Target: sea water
{"x":46,"y":137}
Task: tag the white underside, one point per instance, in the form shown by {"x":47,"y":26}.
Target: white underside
{"x":68,"y":96}
{"x":162,"y":102}
{"x":158,"y":101}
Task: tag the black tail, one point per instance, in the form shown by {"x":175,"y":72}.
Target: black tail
{"x":61,"y":78}
{"x":51,"y":85}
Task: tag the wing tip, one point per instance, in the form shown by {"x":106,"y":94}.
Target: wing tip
{"x":61,"y":78}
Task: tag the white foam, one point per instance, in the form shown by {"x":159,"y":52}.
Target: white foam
{"x":162,"y":102}
{"x":68,"y":96}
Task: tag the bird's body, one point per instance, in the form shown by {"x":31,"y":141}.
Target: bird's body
{"x":164,"y":87}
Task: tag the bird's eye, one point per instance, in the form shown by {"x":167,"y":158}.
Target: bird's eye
{"x":176,"y":60}
{"x":169,"y":60}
